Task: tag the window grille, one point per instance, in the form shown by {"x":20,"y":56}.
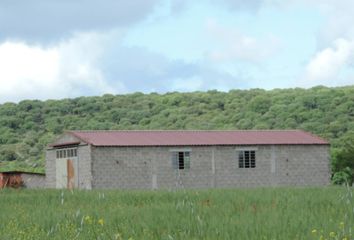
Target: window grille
{"x":180,"y":160}
{"x":247,"y":159}
{"x":66,"y":153}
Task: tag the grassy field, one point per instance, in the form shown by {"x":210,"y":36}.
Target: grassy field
{"x":266,"y":213}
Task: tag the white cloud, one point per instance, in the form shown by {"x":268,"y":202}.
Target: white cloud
{"x":26,"y":70}
{"x":332,"y":64}
{"x":95,"y":64}
{"x":326,"y":65}
{"x":62,"y":71}
{"x":233,"y":45}
{"x":79,"y":68}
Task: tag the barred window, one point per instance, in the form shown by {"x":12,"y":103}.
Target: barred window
{"x":247,"y":159}
{"x":66,"y":153}
{"x":180,"y":160}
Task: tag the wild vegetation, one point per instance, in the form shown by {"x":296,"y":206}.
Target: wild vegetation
{"x":28,"y":126}
{"x":269,"y":213}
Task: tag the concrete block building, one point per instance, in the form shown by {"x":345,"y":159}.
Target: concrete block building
{"x":22,"y":179}
{"x":187,"y":159}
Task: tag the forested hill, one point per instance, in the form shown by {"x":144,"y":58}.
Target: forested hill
{"x":27,"y":127}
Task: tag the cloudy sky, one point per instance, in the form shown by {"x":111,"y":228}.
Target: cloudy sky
{"x":52,"y":49}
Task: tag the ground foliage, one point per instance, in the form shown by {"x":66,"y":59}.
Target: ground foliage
{"x":28,"y":126}
{"x":262,"y":214}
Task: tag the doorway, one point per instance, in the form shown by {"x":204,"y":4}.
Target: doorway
{"x":66,"y":166}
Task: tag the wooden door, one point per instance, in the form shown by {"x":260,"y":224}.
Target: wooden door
{"x":61,"y":173}
{"x":66,"y":173}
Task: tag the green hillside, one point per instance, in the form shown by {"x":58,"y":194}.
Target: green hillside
{"x":27,"y":127}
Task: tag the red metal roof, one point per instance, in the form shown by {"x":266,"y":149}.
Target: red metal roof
{"x":197,"y":138}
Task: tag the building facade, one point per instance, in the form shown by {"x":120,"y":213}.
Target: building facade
{"x":17,"y":179}
{"x":186,"y":159}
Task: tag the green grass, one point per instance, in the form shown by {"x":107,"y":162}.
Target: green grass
{"x":265,"y":213}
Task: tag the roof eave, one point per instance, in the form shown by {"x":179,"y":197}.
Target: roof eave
{"x":210,"y":145}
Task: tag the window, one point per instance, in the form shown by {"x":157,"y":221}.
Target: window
{"x":66,"y":153}
{"x":247,"y":159}
{"x":181,"y":160}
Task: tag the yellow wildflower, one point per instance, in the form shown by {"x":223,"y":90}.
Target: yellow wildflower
{"x":341,"y":225}
{"x":100,"y":222}
{"x":314,"y":231}
{"x":345,"y":238}
{"x":88,"y":219}
{"x":321,"y":237}
{"x":332,"y":234}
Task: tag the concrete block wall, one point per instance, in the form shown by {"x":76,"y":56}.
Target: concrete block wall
{"x":228,"y":173}
{"x":84,"y":165}
{"x":33,"y":180}
{"x":148,"y":168}
{"x":280,"y":165}
{"x":151,"y":167}
{"x":50,"y":168}
{"x":126,"y":168}
{"x":303,"y":165}
{"x":198,"y":176}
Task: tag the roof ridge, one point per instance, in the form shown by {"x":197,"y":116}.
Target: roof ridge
{"x":148,"y":137}
{"x":191,"y":130}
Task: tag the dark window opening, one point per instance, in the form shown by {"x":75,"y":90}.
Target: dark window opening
{"x":247,"y":159}
{"x":181,"y":160}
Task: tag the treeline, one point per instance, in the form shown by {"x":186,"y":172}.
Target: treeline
{"x":27,"y":127}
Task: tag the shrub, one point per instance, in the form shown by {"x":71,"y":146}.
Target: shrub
{"x":343,"y":177}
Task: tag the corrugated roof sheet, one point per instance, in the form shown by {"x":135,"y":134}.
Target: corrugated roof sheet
{"x":197,"y":138}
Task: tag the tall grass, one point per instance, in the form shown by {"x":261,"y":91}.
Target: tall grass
{"x":265,"y":213}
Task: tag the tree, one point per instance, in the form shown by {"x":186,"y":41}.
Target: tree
{"x":343,"y":160}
